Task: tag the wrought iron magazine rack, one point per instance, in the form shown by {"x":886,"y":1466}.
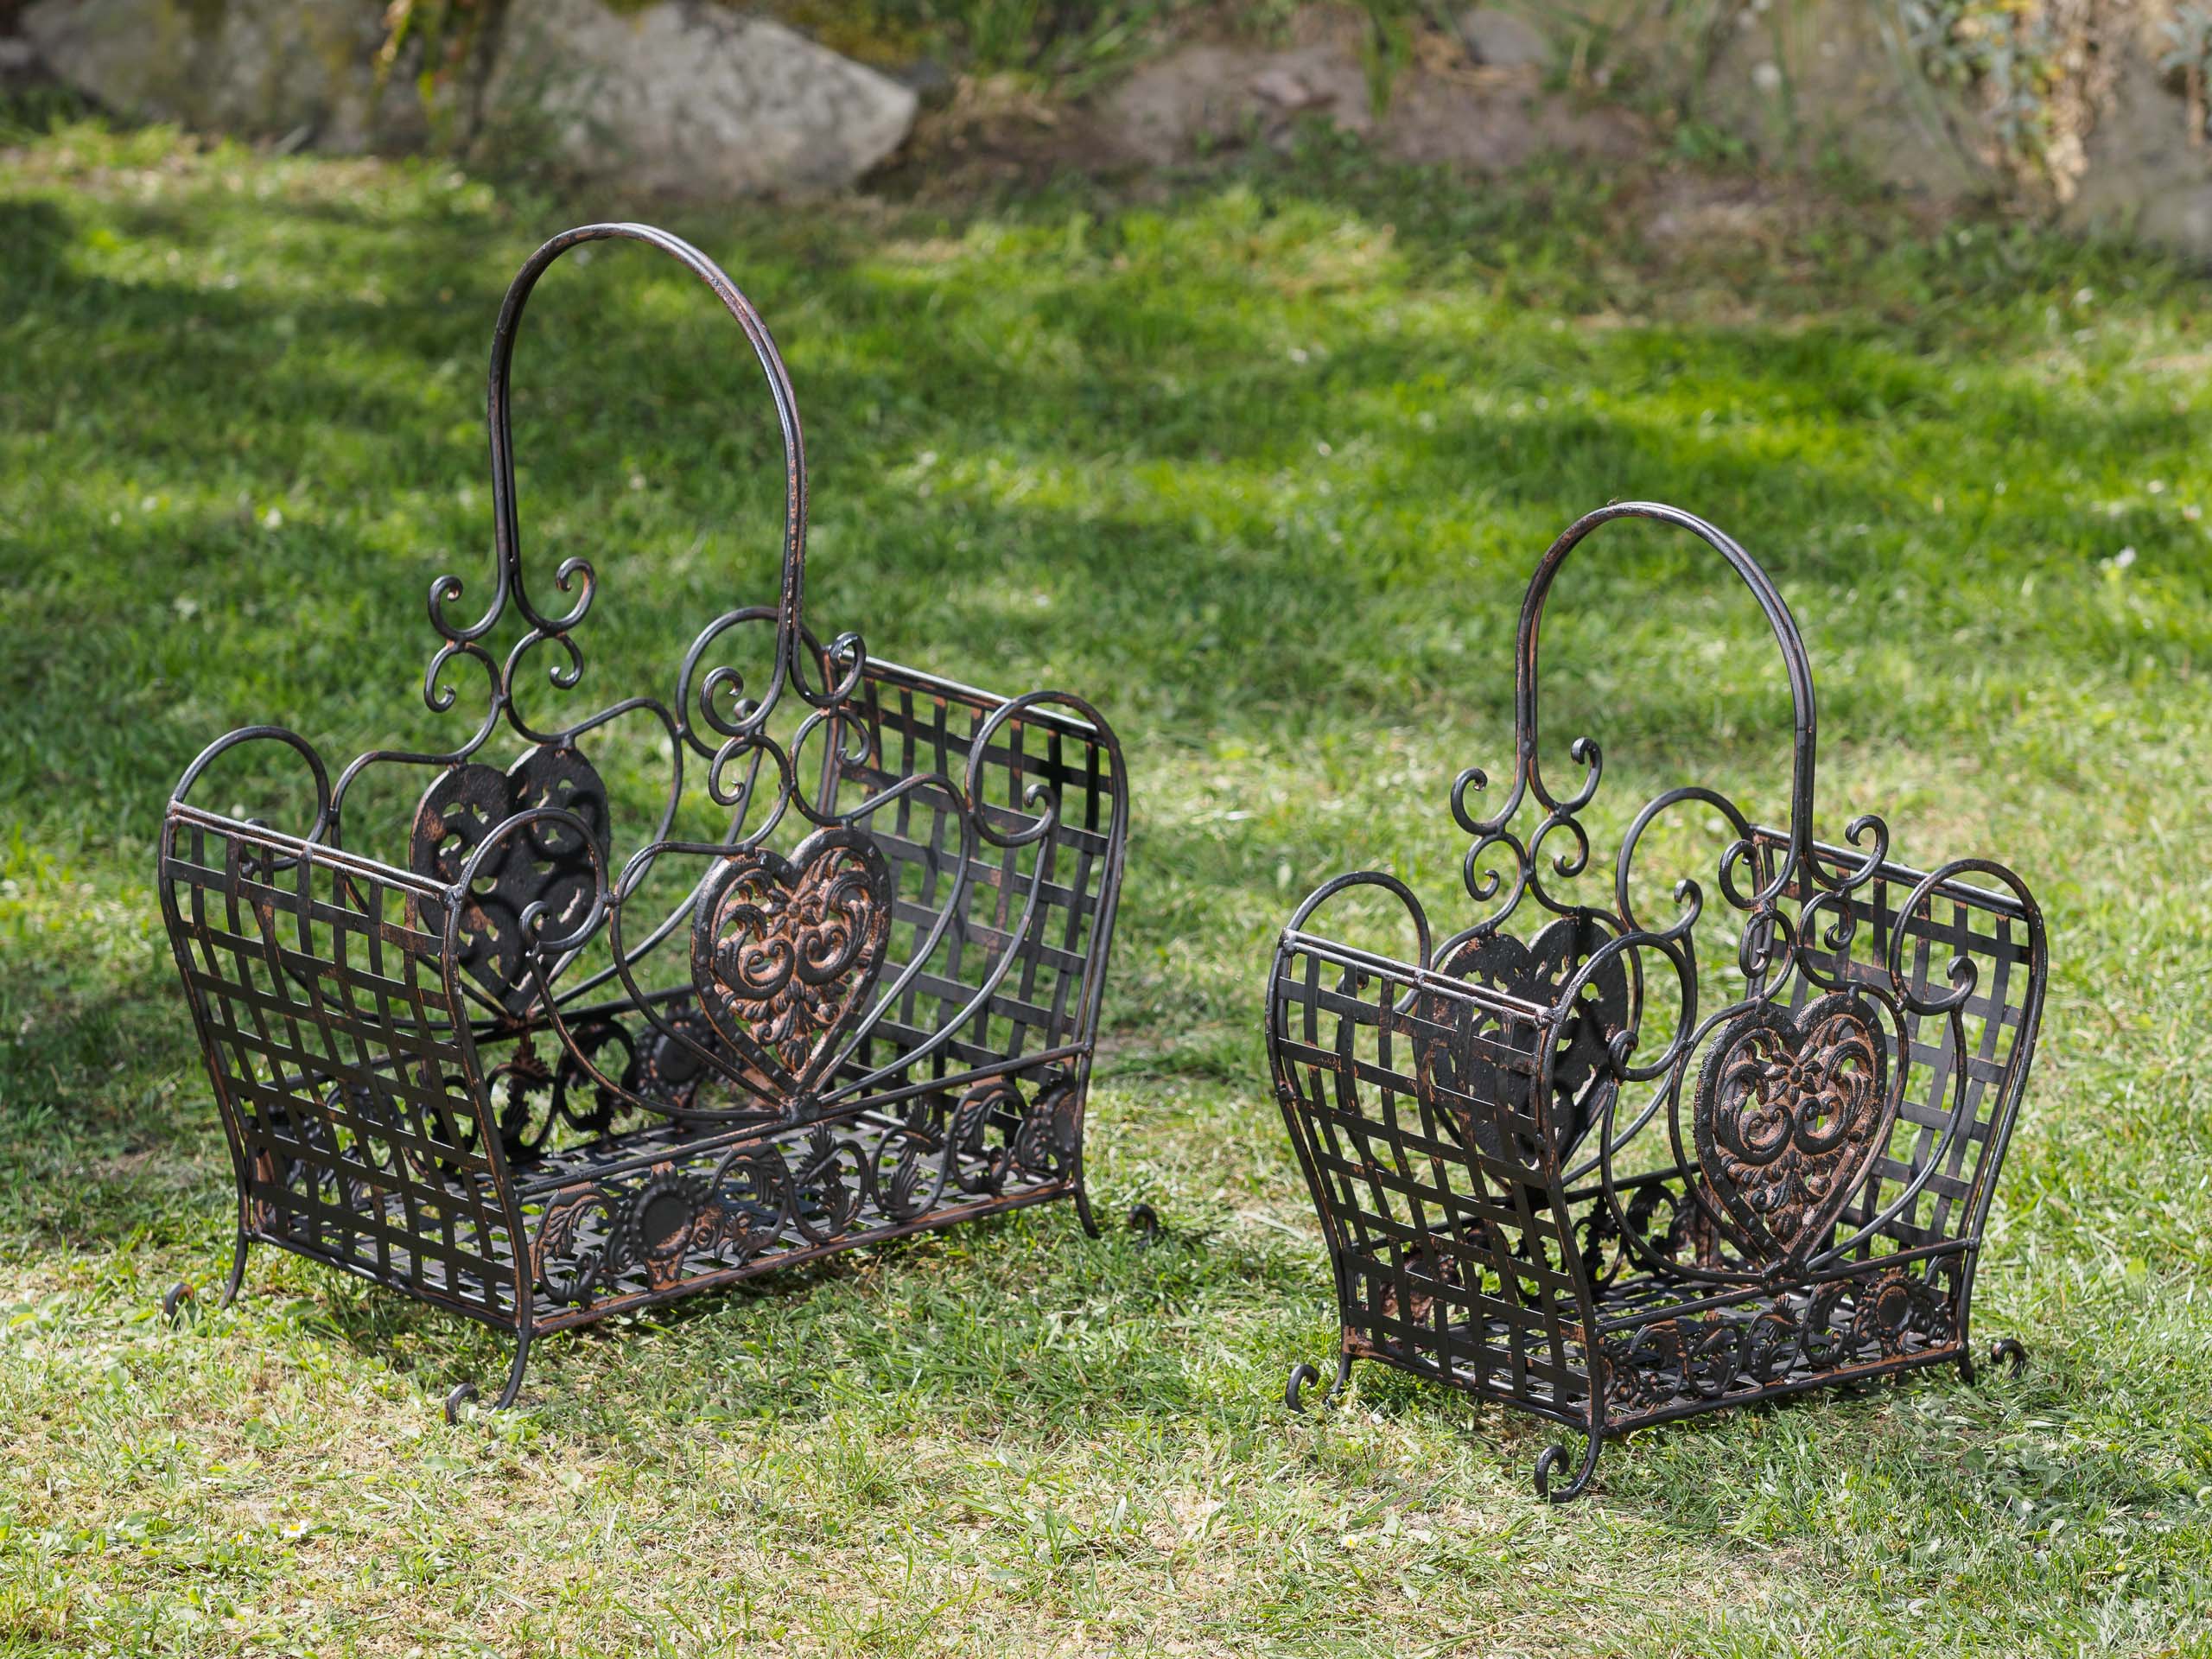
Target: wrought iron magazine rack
{"x":500,"y":1074}
{"x":1786,"y":1191}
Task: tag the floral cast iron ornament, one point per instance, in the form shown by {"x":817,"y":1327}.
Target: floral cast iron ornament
{"x":1789,"y":1111}
{"x":784,"y":950}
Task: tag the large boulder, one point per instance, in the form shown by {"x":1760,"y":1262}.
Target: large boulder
{"x":2145,"y":174}
{"x":686,"y":97}
{"x":302,"y":69}
{"x":1842,"y":78}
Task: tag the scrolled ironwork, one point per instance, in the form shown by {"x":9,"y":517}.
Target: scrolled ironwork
{"x":519,"y":1074}
{"x":1789,"y":1190}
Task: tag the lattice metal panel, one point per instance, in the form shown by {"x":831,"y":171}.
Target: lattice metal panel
{"x":1553,"y":1165}
{"x":854,"y":994}
{"x":337,"y":1060}
{"x":1451,"y":1258}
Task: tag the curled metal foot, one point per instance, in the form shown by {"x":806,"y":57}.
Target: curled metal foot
{"x":173,"y":1302}
{"x":464,"y":1392}
{"x":1144,"y":1221}
{"x":514,"y":1375}
{"x":2010,"y":1349}
{"x":1549,"y":1462}
{"x":1302,"y":1373}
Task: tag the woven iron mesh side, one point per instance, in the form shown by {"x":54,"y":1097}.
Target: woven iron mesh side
{"x":1448,"y":1259}
{"x":1957,"y":922}
{"x":1045,"y":997}
{"x":330,"y":1037}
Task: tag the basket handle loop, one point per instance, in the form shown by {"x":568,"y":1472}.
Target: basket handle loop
{"x":498,"y":418}
{"x":1794,"y":660}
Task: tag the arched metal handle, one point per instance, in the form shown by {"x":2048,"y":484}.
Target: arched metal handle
{"x":1528,"y":769}
{"x":498,"y":418}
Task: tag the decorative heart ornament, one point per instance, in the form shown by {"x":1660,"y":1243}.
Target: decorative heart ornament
{"x":1464,"y":1064}
{"x":784,"y":950}
{"x":1790,"y":1113}
{"x":543,"y":863}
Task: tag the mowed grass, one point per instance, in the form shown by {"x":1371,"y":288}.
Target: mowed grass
{"x":1259,"y":461}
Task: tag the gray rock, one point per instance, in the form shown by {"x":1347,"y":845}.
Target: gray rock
{"x":687,"y":98}
{"x":2145,"y":177}
{"x":1504,"y":40}
{"x":1178,"y":105}
{"x":260,"y":68}
{"x":1845,"y":82}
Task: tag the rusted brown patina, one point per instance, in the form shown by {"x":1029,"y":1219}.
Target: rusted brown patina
{"x":499,"y":1077}
{"x":1524,"y":1200}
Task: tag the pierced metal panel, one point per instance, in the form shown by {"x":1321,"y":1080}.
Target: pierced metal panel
{"x":1687,"y":1205}
{"x":339,"y":1054}
{"x":870,"y":1006}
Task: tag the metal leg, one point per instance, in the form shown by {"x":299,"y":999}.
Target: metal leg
{"x":2013,"y":1348}
{"x":1555,"y":1454}
{"x":237,"y":1268}
{"x":173,"y":1299}
{"x":1144,"y":1220}
{"x":1302,"y":1373}
{"x":1083,"y":1211}
{"x":463,"y":1392}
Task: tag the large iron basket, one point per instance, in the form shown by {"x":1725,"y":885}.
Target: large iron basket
{"x":495,"y":1072}
{"x":1522,"y":1199}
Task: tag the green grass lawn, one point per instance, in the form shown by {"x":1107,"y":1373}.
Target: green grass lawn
{"x":1259,"y":462}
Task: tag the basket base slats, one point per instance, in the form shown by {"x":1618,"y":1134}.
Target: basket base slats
{"x":635,"y":1218}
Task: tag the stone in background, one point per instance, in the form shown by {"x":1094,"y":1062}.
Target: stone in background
{"x":1484,"y":106}
{"x":683,"y":97}
{"x":687,"y":98}
{"x":298,"y":69}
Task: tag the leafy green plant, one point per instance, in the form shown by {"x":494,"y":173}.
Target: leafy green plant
{"x":446,"y":37}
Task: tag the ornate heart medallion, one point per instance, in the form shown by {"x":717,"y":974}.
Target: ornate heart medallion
{"x":784,"y":950}
{"x":1467,"y":1063}
{"x":1790,"y":1113}
{"x":543,"y":863}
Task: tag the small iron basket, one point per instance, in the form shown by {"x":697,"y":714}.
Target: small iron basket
{"x":497,"y":1074}
{"x":1791,"y":1193}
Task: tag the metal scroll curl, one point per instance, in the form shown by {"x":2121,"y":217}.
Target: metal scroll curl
{"x":1768,"y":1182}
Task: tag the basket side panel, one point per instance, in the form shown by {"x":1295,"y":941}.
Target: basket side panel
{"x":1448,"y":1259}
{"x":1041,"y":974}
{"x":331,"y":1043}
{"x":1962,"y":1071}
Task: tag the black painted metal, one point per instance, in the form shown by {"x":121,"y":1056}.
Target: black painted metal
{"x":475,"y":1074}
{"x":1791,"y":1193}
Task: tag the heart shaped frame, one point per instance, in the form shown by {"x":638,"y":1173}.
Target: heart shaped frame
{"x":546,"y":862}
{"x":1536,"y":972}
{"x":1790,"y":1110}
{"x":784,"y":950}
